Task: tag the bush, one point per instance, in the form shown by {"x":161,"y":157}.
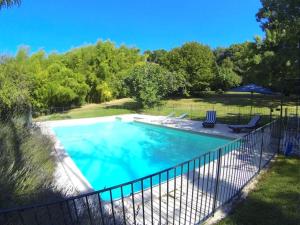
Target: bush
{"x":26,"y":163}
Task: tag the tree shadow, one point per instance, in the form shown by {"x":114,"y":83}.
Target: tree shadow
{"x":260,"y":211}
{"x":132,"y":106}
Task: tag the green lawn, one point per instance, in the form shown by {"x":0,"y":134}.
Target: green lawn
{"x":275,"y":201}
{"x":230,"y":107}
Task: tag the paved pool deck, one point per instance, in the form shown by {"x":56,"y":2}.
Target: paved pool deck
{"x":69,"y":178}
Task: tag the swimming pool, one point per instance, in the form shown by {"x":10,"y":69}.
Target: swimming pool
{"x":114,"y":152}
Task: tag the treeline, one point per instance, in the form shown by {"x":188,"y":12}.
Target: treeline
{"x":102,"y":72}
{"x":88,"y":74}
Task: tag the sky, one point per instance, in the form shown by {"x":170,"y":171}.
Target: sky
{"x":59,"y":25}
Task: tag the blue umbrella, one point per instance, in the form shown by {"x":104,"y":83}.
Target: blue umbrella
{"x":253,"y":88}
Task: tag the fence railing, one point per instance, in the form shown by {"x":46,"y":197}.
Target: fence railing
{"x":225,"y":114}
{"x":185,"y":194}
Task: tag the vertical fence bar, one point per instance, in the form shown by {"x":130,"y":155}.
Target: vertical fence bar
{"x":187,"y":191}
{"x":217,"y":179}
{"x":151,"y":192}
{"x":192,"y":191}
{"x":133,"y":204}
{"x":210,"y":203}
{"x":76,"y":211}
{"x":159,"y":180}
{"x":198,"y":188}
{"x":63,"y":214}
{"x":167,"y":217}
{"x":174,"y":206}
{"x":207,"y":181}
{"x":271,"y":117}
{"x":20,"y":216}
{"x":261,"y":149}
{"x":180,"y":202}
{"x":112,"y":206}
{"x":143,"y":201}
{"x":69,"y":211}
{"x":202,"y":188}
{"x":101,"y":210}
{"x":49,"y":215}
{"x":123,"y":206}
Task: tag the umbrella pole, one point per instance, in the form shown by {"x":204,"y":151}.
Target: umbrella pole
{"x":251,"y":103}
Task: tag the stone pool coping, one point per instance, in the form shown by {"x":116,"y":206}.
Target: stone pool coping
{"x":69,"y":178}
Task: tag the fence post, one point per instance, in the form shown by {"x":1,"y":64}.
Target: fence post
{"x":271,"y":110}
{"x":285,"y":114}
{"x":261,"y":148}
{"x":280,"y":127}
{"x":217,"y":180}
{"x":239,"y":118}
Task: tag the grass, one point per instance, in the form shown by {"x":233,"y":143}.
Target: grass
{"x":230,"y":107}
{"x":276,"y":199}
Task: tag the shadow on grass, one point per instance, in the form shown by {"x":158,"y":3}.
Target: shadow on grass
{"x":133,"y":106}
{"x":258,"y":211}
{"x":276,"y":200}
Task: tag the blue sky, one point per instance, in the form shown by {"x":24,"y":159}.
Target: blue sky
{"x":58,"y":25}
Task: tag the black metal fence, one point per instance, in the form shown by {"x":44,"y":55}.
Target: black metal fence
{"x":225,"y":114}
{"x":185,"y":194}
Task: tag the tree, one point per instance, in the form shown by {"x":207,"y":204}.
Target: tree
{"x":197,"y":62}
{"x":226,"y":78}
{"x":280,"y":19}
{"x":149,"y":83}
{"x":9,"y":3}
{"x":157,"y":56}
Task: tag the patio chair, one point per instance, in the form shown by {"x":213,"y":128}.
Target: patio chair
{"x":211,"y":118}
{"x":182,"y":116}
{"x":253,"y":123}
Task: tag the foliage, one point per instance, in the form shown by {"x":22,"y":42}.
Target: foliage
{"x":14,"y":94}
{"x":92,"y":73}
{"x":226,"y":78}
{"x":104,"y":67}
{"x":280,"y":19}
{"x":26,"y":163}
{"x":149,"y":83}
{"x":195,"y":61}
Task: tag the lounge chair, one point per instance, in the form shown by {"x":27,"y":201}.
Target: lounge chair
{"x":163,"y":118}
{"x":170,"y":115}
{"x":253,"y":123}
{"x":211,"y":118}
{"x":182,"y":116}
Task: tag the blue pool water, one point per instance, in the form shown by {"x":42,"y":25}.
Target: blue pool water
{"x":111,"y":153}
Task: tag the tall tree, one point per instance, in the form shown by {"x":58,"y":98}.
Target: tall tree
{"x":197,"y":62}
{"x":280,"y":19}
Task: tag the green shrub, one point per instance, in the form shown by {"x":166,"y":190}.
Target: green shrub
{"x":26,"y":163}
